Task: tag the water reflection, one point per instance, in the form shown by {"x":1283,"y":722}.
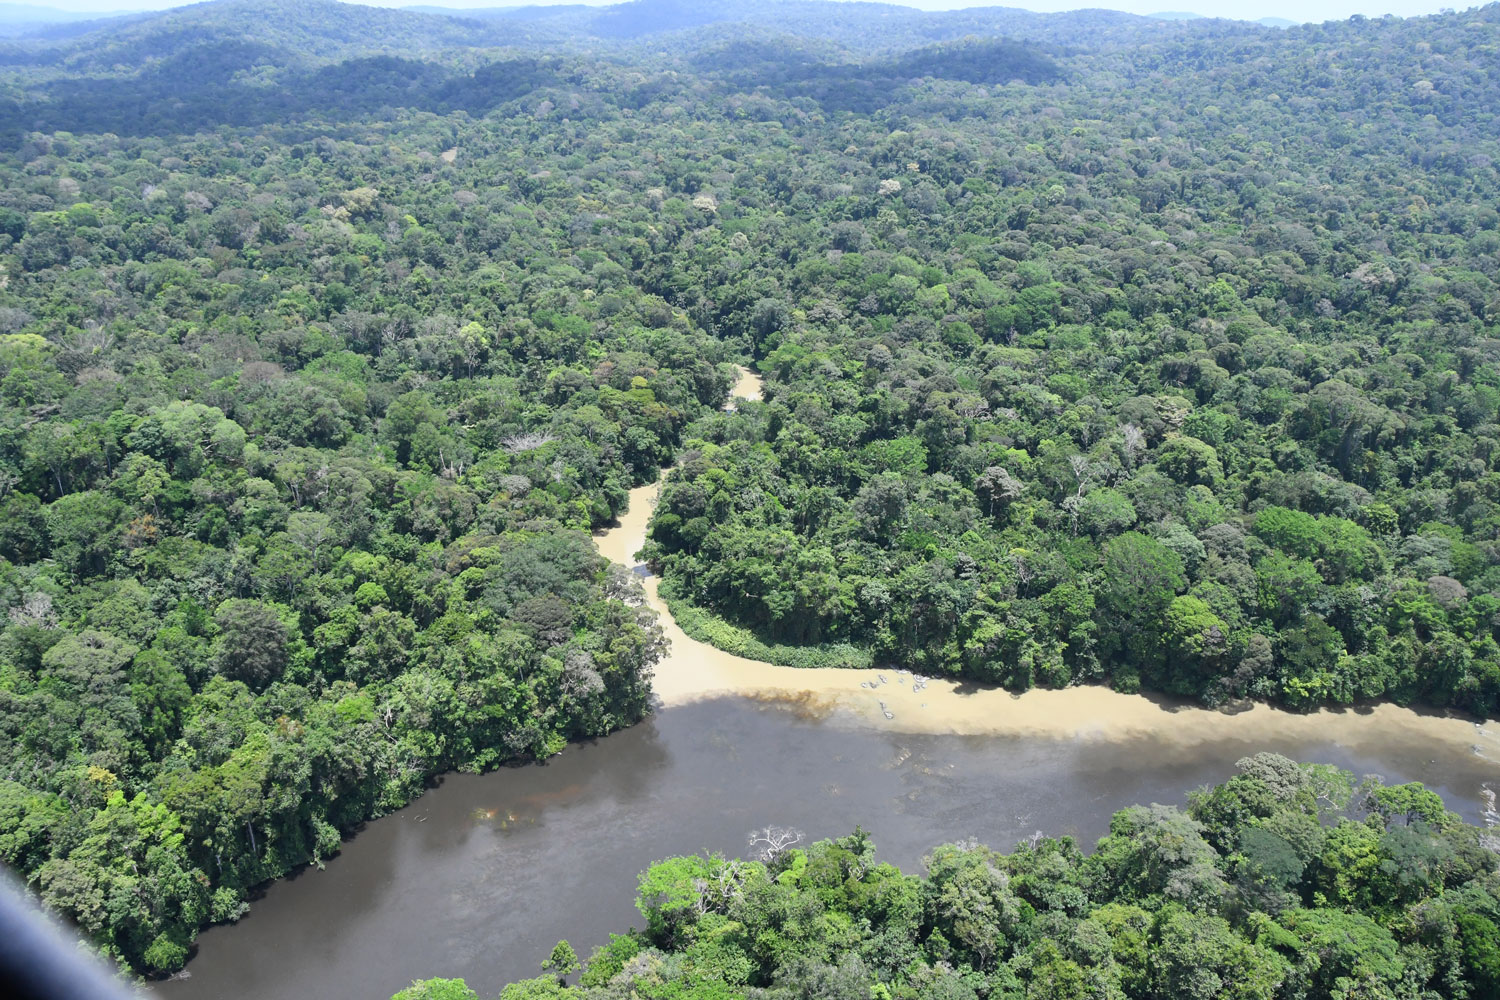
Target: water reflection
{"x":481,"y":876}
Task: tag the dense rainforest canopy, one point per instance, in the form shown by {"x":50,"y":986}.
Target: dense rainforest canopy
{"x":1097,"y":349}
{"x":1287,"y":881}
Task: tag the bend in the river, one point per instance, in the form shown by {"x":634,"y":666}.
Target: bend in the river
{"x":479,"y":877}
{"x":895,"y":700}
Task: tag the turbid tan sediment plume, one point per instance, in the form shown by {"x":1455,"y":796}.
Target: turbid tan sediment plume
{"x":692,"y":670}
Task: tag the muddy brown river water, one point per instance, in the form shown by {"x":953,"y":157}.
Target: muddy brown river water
{"x":483,"y":874}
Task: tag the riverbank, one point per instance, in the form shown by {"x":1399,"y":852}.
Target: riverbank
{"x":481,"y":875}
{"x":900,"y":702}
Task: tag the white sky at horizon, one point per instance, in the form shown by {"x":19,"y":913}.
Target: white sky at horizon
{"x":1294,"y":10}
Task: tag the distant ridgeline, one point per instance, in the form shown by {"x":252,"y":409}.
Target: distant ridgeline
{"x":1098,"y":348}
{"x":1285,"y":881}
{"x":257,"y":62}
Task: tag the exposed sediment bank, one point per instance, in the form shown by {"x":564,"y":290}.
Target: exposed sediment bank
{"x":898,"y":700}
{"x":487,"y":871}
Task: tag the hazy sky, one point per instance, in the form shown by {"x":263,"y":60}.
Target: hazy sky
{"x":1296,"y":10}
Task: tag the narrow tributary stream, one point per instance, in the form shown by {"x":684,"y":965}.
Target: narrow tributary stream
{"x":482,"y":875}
{"x":895,"y":700}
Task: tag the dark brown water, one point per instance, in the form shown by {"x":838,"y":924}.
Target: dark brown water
{"x":482,"y":875}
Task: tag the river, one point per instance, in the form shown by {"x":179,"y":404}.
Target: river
{"x":483,"y":874}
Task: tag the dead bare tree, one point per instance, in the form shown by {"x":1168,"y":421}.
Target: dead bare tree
{"x":92,"y":338}
{"x":85,"y":347}
{"x":517,"y":443}
{"x":1024,"y":573}
{"x":771,"y":842}
{"x":1080,"y":466}
{"x":997,"y":484}
{"x":36,"y":609}
{"x":1135,"y":442}
{"x":447,"y":469}
{"x":972,"y":407}
{"x":1073,"y":505}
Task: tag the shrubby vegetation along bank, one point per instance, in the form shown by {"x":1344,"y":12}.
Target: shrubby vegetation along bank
{"x":1157,"y":353}
{"x":1287,"y":881}
{"x":1068,"y":385}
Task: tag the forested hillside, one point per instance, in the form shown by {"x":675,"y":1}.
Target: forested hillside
{"x":1164,"y":356}
{"x":1285,"y":881}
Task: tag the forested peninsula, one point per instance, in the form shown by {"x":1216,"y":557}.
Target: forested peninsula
{"x":1096,"y":349}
